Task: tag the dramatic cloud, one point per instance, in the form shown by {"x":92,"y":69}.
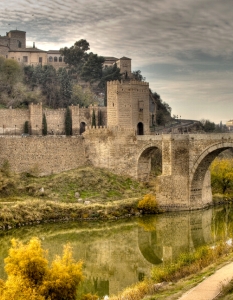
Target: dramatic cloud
{"x":184,"y":48}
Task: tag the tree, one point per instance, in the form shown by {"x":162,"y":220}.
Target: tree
{"x":93,"y":119}
{"x":65,"y":87}
{"x":10,"y":74}
{"x":222,"y":175}
{"x":92,"y":69}
{"x":208,"y":126}
{"x":163,"y":113}
{"x":68,"y":122}
{"x":76,"y":55}
{"x":31,"y":278}
{"x":83,"y":98}
{"x":109,"y":74}
{"x":138,"y":76}
{"x":26,"y":127}
{"x":44,"y":125}
{"x":100,"y":118}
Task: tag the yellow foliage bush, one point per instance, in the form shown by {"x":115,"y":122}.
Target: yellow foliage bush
{"x":31,"y":278}
{"x":222,"y":175}
{"x":148,"y":204}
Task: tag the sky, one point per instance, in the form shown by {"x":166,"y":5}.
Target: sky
{"x":184,"y":48}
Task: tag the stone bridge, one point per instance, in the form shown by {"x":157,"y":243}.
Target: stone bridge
{"x":185,"y":179}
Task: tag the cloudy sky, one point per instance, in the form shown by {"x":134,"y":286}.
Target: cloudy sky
{"x":184,"y":48}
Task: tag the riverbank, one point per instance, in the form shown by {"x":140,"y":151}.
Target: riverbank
{"x":86,"y":193}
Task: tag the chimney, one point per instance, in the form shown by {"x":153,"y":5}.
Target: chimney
{"x":34,"y":45}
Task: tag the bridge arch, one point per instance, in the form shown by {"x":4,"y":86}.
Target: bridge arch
{"x":149,"y":158}
{"x":199,"y":173}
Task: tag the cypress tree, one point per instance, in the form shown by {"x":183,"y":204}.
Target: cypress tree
{"x":68,"y":122}
{"x":100,"y":119}
{"x":93,"y":121}
{"x":26,"y":127}
{"x":44,"y":125}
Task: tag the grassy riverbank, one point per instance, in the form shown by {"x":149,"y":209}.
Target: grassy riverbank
{"x":171,"y":281}
{"x":94,"y":184}
{"x":84,"y":193}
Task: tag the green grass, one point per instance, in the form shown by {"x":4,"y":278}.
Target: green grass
{"x":97,"y":185}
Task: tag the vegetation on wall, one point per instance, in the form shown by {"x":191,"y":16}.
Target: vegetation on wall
{"x":163,"y":112}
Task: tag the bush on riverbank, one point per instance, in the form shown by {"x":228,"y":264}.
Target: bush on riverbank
{"x":30,"y":276}
{"x":222,"y":176}
{"x":148,"y":205}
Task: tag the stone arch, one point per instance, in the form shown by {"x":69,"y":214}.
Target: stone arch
{"x":140,"y":129}
{"x":149,"y":247}
{"x":200,"y":189}
{"x":50,"y":59}
{"x":60,"y":59}
{"x":55,"y":58}
{"x":82,"y":127}
{"x":144,"y":161}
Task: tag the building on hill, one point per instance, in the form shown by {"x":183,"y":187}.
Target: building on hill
{"x":229,"y":125}
{"x":13,"y":45}
{"x":130,"y":104}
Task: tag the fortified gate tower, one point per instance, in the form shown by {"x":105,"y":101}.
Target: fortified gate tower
{"x":128,"y":105}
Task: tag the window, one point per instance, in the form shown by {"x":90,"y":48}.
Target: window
{"x":55,"y":59}
{"x":50,"y":59}
{"x":18,"y":59}
{"x":25,"y":59}
{"x":19,"y":44}
{"x":40,"y":60}
{"x":60,"y":59}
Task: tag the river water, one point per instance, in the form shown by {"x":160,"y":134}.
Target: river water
{"x":120,"y":253}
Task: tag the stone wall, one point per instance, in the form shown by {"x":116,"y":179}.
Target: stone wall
{"x":50,"y":154}
{"x":13,"y":120}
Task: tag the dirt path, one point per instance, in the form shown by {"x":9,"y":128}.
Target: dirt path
{"x":209,"y":288}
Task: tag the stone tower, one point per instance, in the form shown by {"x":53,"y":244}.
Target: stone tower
{"x":128,"y":105}
{"x":17,"y":39}
{"x":124,"y":64}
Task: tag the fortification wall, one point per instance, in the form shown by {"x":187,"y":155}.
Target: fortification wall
{"x":13,"y":120}
{"x":50,"y":154}
{"x":55,"y":120}
{"x":113,"y":148}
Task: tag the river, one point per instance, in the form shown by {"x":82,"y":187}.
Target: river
{"x":120,"y":253}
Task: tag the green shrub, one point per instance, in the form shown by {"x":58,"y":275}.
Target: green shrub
{"x":148,"y":204}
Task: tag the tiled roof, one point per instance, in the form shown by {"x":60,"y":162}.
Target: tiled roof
{"x":28,"y":50}
{"x":54,"y":52}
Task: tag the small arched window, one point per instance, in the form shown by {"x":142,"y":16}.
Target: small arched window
{"x":55,"y":59}
{"x":50,"y":59}
{"x":60,"y":59}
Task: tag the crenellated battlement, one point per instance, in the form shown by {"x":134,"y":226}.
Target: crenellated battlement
{"x":128,"y":82}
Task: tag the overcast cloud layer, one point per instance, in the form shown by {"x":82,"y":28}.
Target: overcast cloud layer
{"x":184,"y":48}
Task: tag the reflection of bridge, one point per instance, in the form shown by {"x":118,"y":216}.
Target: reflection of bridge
{"x":184,"y":183}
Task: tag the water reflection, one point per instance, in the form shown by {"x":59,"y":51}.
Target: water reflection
{"x":118,"y":254}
